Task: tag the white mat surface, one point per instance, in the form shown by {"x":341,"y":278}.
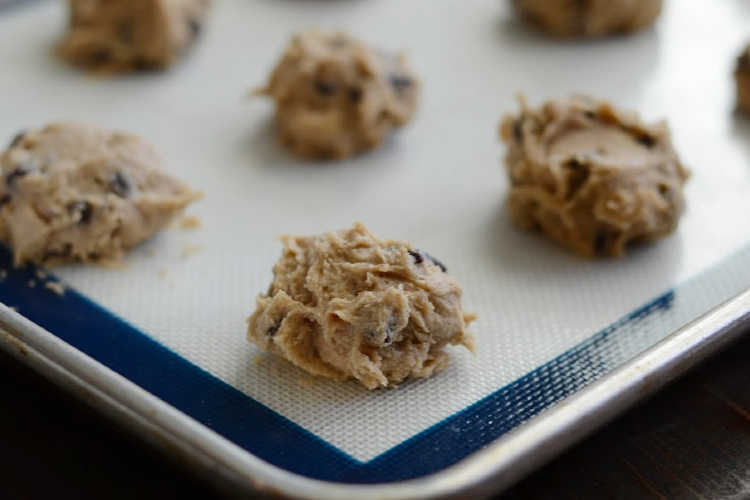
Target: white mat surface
{"x":438,"y":184}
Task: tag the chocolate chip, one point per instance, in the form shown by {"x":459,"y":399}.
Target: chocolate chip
{"x":589,"y":114}
{"x":100,"y":56}
{"x":325,"y":88}
{"x":126,"y":32}
{"x":195,"y":27}
{"x":646,"y":140}
{"x":273,"y":329}
{"x":666,"y":192}
{"x":120,"y":185}
{"x":579,"y":174}
{"x":65,"y":252}
{"x":417,"y":256}
{"x":5,"y":199}
{"x":390,"y":330}
{"x":142,"y":64}
{"x":437,"y":263}
{"x":600,"y":241}
{"x":84,"y":209}
{"x":375,"y":338}
{"x":400,"y":82}
{"x":743,"y":62}
{"x":355,"y":94}
{"x":517,"y":130}
{"x":16,"y":174}
{"x":17,"y":139}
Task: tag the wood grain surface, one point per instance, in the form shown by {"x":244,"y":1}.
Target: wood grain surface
{"x":690,"y":441}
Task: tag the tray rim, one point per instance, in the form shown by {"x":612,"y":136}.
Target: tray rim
{"x":497,"y":466}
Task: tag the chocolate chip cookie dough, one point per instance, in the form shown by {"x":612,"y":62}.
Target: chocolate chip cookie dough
{"x":122,"y":35}
{"x":336,"y":97}
{"x":589,"y":18}
{"x":72,"y":192}
{"x":742,"y":79}
{"x":592,"y":177}
{"x":349,"y":305}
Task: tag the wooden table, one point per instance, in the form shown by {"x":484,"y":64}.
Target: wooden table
{"x":690,"y":441}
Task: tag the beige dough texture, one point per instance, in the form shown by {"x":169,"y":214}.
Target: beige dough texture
{"x":742,"y":78}
{"x":349,"y":305}
{"x":589,"y":18}
{"x":72,"y":192}
{"x":592,"y":177}
{"x":336,"y":97}
{"x":124,"y":35}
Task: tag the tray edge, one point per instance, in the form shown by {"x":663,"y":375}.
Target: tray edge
{"x":497,"y":466}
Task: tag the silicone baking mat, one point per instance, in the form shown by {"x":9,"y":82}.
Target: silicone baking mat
{"x":172,"y":320}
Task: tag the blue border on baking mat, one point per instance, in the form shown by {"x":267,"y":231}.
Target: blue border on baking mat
{"x":274,"y":438}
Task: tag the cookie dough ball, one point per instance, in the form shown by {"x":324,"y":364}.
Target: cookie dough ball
{"x":589,"y":18}
{"x":122,"y":35}
{"x":349,"y":305}
{"x":592,"y":177}
{"x":71,"y":192}
{"x":742,"y":77}
{"x":336,"y":97}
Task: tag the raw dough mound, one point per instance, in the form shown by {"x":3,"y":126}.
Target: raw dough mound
{"x":348,"y":305}
{"x":336,"y":97}
{"x":122,"y":35}
{"x":73,"y":192}
{"x":742,"y":77}
{"x":592,"y":177}
{"x":589,"y":18}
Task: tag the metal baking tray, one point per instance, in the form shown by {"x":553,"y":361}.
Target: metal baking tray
{"x":564,"y":344}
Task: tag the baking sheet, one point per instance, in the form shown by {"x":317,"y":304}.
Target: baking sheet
{"x":438,"y":184}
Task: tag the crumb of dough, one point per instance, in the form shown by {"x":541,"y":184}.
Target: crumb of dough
{"x":55,"y":287}
{"x":190,"y":250}
{"x":80,"y":193}
{"x":349,"y":305}
{"x":589,"y":18}
{"x":41,"y":274}
{"x":592,"y":177}
{"x":3,"y":274}
{"x":190,"y":222}
{"x":120,"y":36}
{"x":31,"y":283}
{"x":336,"y":97}
{"x":163,"y":272}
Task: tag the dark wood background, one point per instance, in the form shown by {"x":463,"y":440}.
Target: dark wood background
{"x":692,"y":440}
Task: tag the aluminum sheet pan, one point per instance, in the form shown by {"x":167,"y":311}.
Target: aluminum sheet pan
{"x":160,"y":343}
